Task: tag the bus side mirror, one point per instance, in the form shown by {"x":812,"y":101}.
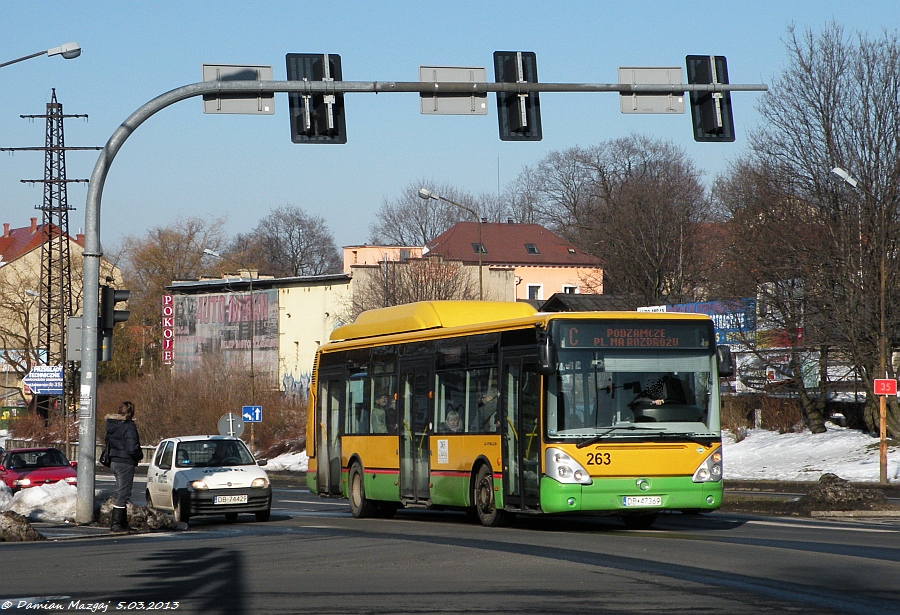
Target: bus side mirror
{"x":546,"y":354}
{"x":725,"y":361}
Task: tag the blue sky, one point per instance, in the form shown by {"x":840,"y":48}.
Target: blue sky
{"x":182,"y":162}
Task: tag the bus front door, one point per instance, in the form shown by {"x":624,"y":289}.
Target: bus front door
{"x":520,"y":399}
{"x":415,"y":411}
{"x":328,"y":446}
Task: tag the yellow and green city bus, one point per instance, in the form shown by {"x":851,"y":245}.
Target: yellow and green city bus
{"x":496,"y":409}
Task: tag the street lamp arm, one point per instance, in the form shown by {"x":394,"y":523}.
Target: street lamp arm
{"x":67,"y":51}
{"x":428,"y":194}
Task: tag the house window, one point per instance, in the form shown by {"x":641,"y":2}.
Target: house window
{"x":569,"y":289}
{"x":535,"y":292}
{"x":478,"y":248}
{"x":531,"y":248}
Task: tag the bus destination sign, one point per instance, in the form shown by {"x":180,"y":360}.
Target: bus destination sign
{"x":633,"y":335}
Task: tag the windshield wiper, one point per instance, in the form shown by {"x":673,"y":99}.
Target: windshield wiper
{"x":690,"y":437}
{"x":601,"y":436}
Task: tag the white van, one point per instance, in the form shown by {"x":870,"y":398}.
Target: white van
{"x":207,"y":475}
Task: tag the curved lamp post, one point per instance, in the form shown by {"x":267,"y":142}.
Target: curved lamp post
{"x":67,"y":51}
{"x":428,"y":194}
{"x":882,"y":336}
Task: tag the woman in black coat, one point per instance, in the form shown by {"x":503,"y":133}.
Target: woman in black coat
{"x":124,"y":447}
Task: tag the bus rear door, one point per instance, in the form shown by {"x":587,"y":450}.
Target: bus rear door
{"x":520,"y":399}
{"x":416,"y":412}
{"x":328,"y":415}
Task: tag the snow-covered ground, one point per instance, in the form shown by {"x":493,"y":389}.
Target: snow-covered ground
{"x":761,"y":455}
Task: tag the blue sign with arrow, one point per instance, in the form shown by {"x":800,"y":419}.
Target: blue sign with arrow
{"x":45,"y":380}
{"x":251,"y":414}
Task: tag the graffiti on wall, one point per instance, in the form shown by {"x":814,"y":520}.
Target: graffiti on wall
{"x":296,"y":386}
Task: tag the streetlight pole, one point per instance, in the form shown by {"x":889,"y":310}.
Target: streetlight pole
{"x":882,"y":334}
{"x":428,"y":194}
{"x":252,"y":334}
{"x":67,"y":51}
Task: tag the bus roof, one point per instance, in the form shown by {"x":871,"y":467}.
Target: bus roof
{"x":430,"y":315}
{"x":434,"y":315}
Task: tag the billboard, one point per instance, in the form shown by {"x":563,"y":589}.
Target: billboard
{"x":222,"y":324}
{"x":734,"y":320}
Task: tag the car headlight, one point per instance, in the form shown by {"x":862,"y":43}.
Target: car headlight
{"x":561,"y":467}
{"x":22,"y":482}
{"x":260,"y":482}
{"x":710,"y":471}
{"x":199,"y":485}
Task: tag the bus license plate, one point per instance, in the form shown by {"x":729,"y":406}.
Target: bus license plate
{"x":230,"y":499}
{"x":643,"y":500}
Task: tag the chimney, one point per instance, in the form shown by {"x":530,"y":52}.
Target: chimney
{"x":79,"y":239}
{"x":33,"y":224}
{"x":6,"y":229}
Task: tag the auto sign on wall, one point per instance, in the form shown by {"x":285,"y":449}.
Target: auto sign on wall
{"x":223,"y":324}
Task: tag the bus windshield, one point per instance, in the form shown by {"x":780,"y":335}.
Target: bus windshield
{"x":623,"y":393}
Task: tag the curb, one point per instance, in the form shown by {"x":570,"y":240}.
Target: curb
{"x":855,"y":513}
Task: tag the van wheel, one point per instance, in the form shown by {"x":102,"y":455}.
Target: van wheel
{"x":182,"y":508}
{"x":483,"y":497}
{"x":263,"y":515}
{"x":360,"y":507}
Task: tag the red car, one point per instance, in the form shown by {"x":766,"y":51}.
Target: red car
{"x":29,"y":467}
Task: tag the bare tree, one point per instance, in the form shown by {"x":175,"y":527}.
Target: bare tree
{"x":151,"y":263}
{"x":637,"y":204}
{"x":521,"y":198}
{"x":417,"y":279}
{"x":775,"y":241}
{"x":837,"y":104}
{"x":19,"y":324}
{"x":290,"y":242}
{"x":410,"y":220}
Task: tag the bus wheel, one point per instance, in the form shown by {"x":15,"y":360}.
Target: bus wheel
{"x":639,"y":522}
{"x":359,"y":505}
{"x":483,"y":497}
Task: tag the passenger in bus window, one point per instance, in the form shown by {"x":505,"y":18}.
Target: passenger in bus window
{"x":390,"y":415}
{"x":379,"y":414}
{"x":452,"y":424}
{"x":659,"y":391}
{"x":487,"y":411}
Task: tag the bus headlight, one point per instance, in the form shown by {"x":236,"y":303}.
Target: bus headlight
{"x":710,"y":471}
{"x":561,"y":467}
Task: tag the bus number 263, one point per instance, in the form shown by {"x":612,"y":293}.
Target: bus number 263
{"x":599,"y":459}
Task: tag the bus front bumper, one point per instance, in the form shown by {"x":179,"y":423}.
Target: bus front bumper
{"x":637,"y":494}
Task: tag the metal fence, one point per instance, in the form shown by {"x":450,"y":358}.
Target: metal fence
{"x":71,"y":448}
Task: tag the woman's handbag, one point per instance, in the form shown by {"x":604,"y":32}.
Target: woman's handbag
{"x":104,"y":456}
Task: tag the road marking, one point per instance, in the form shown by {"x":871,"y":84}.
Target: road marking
{"x":830,"y":525}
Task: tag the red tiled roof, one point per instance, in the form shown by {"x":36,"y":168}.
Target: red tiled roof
{"x":507,"y":244}
{"x":18,"y":241}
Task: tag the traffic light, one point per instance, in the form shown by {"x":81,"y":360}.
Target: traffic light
{"x":710,"y":111}
{"x":519,"y":115}
{"x":109,"y":316}
{"x":316,"y":118}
